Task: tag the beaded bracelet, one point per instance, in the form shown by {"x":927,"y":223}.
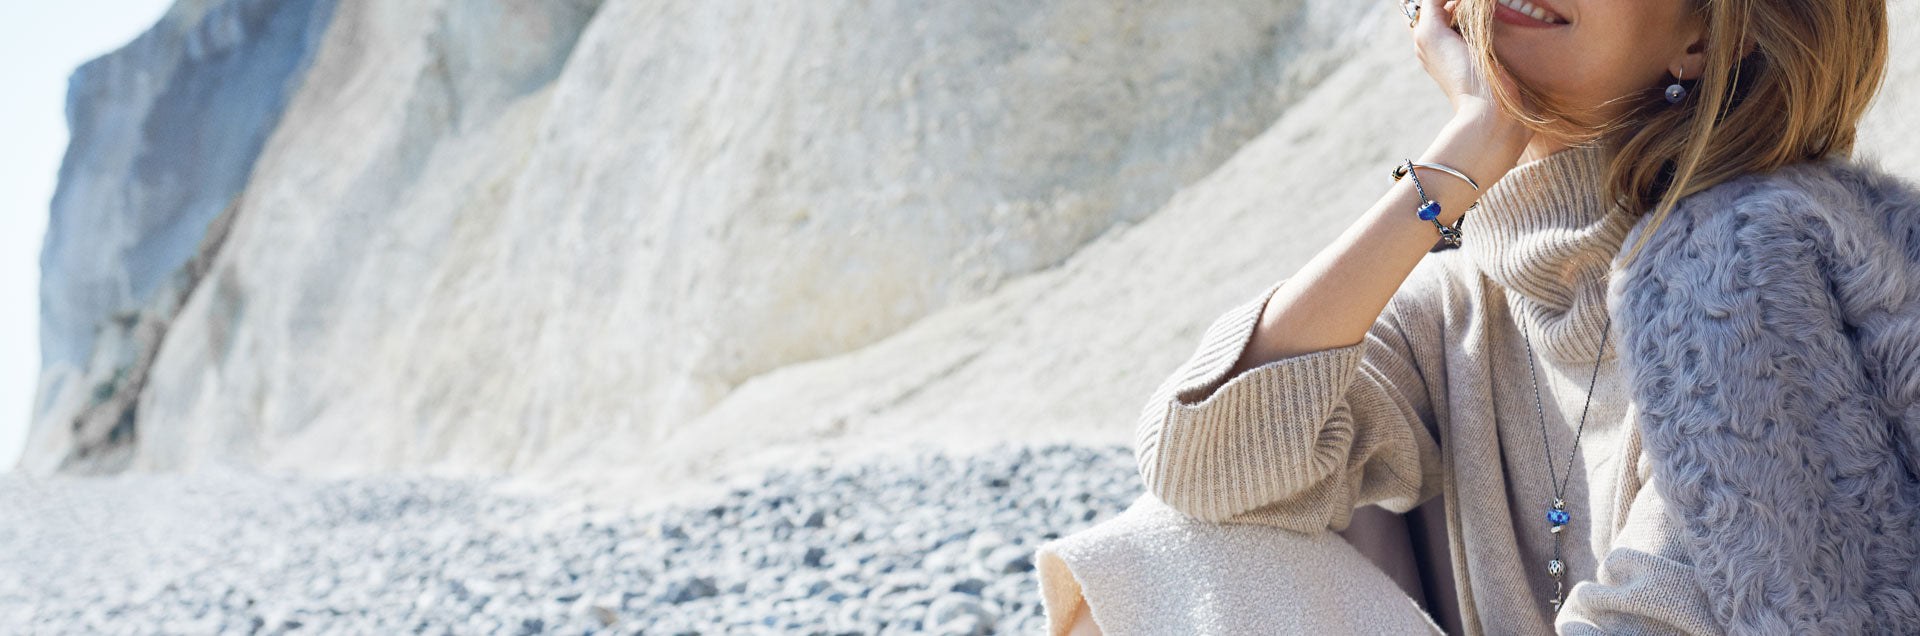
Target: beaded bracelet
{"x":1430,"y":209}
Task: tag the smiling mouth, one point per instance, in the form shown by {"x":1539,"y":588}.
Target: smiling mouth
{"x":1533,"y":11}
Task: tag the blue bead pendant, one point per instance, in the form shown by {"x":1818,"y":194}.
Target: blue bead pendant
{"x":1558,"y":515}
{"x":1430,"y":210}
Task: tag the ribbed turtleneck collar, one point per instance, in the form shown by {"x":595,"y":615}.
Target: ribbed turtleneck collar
{"x":1545,"y":234}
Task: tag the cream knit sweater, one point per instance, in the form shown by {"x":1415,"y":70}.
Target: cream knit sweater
{"x":1247,"y":475}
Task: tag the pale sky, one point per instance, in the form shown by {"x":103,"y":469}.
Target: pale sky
{"x":41,"y":41}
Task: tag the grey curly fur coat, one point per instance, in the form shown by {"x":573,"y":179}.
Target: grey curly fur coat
{"x":1771,"y":326}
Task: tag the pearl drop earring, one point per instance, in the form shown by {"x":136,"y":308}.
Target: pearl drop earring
{"x":1676,"y":92}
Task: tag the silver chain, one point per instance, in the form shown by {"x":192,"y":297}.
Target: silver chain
{"x":1555,"y":567}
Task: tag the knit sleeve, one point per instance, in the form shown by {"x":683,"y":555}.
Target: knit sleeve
{"x":1646,"y":583}
{"x":1298,"y":442}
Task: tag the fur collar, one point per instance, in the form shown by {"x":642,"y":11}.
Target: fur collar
{"x":1771,"y":326}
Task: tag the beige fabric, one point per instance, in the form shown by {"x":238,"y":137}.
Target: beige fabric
{"x":1223,"y":567}
{"x":1436,"y":401}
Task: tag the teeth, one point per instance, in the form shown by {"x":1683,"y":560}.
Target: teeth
{"x":1530,"y":9}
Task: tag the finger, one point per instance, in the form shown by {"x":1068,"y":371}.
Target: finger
{"x":1436,"y":23}
{"x":1436,"y":12}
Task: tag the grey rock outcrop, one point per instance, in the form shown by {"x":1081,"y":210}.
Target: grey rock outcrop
{"x":163,"y":136}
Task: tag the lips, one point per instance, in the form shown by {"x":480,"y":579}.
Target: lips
{"x":1534,"y":11}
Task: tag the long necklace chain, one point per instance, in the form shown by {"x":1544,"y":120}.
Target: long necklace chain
{"x":1558,"y":515}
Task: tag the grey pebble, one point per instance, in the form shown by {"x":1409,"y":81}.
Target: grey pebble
{"x":688,"y":589}
{"x":957,"y":614}
{"x":1010,"y":559}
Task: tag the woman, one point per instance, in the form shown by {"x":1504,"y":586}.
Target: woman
{"x":1669,"y":383}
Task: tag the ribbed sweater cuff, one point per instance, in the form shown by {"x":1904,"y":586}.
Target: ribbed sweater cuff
{"x":1229,"y":448}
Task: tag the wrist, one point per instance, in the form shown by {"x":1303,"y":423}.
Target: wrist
{"x":1484,"y":144}
{"x":1492,"y":125}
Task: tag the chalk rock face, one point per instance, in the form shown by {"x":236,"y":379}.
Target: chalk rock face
{"x":164,"y":134}
{"x":486,"y":232}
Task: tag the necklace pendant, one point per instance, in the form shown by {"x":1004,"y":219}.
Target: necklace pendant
{"x":1556,"y":568}
{"x":1558,"y":515}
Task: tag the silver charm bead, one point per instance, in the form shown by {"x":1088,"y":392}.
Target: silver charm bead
{"x":1555,"y":568}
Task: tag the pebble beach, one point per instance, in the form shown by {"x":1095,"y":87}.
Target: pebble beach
{"x":927,"y":543}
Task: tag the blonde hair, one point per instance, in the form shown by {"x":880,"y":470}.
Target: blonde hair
{"x":1788,"y":80}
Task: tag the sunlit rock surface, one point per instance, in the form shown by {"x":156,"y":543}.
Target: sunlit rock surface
{"x":480,"y":229}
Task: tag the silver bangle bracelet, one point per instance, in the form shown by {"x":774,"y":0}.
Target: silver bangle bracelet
{"x":1401,"y":171}
{"x":1430,"y":209}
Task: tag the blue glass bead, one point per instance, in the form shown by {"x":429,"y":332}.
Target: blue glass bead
{"x":1558,"y":517}
{"x":1430,"y":210}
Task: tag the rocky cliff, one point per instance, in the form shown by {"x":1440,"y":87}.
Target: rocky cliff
{"x":468,"y":234}
{"x":635,"y":244}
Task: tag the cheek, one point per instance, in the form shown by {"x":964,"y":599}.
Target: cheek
{"x":1545,"y":64}
{"x":1579,"y":70}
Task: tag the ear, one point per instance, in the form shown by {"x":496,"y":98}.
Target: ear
{"x":1691,"y":61}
